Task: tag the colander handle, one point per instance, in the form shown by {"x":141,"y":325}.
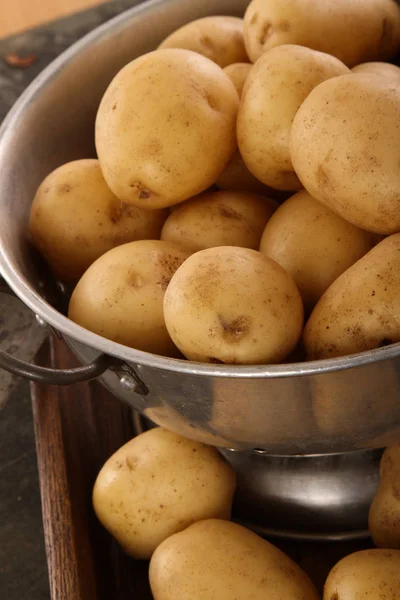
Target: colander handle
{"x":127,"y":375}
{"x":56,"y":376}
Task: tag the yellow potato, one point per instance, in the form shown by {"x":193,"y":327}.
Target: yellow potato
{"x":353,"y":31}
{"x":155,"y":148}
{"x":313,"y":244}
{"x":219,"y":219}
{"x":276,"y":87}
{"x":233,"y":305}
{"x":381,"y":69}
{"x":219,"y":560}
{"x":384,"y":515}
{"x":361,"y":309}
{"x":369,"y":574}
{"x":237,"y":73}
{"x":75,"y":219}
{"x":345,"y":149}
{"x":121,"y":295}
{"x":218,"y":38}
{"x":236,"y":177}
{"x":158,"y":484}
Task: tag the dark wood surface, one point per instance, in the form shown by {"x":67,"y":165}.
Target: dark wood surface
{"x":77,"y":428}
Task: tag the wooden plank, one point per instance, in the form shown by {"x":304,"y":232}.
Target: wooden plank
{"x":77,"y":429}
{"x":18,"y":15}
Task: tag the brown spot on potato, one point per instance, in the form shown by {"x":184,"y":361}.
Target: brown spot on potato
{"x":284,"y":26}
{"x":114,"y":106}
{"x":229,"y":213}
{"x":265,"y":33}
{"x":234,"y":330}
{"x":207,"y":44}
{"x":131,"y":463}
{"x":335,"y":597}
{"x":254,"y":19}
{"x":65,"y":188}
{"x":322,"y":176}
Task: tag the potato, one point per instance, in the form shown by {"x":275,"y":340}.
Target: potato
{"x":121,"y":295}
{"x":158,"y":484}
{"x":219,"y":560}
{"x":345,"y":149}
{"x":275,"y":88}
{"x":236,"y":177}
{"x":155,"y":148}
{"x":219,"y":219}
{"x":380,"y":69}
{"x":237,"y":73}
{"x":75,"y":218}
{"x":353,"y":31}
{"x":361,"y":309}
{"x":370,"y":574}
{"x":384,"y":515}
{"x":218,"y":38}
{"x":235,"y":306}
{"x":313,"y":244}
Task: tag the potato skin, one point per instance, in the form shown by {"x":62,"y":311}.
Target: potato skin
{"x":345,"y":150}
{"x":380,"y":69}
{"x":222,"y":560}
{"x":276,"y":87}
{"x":361,"y":310}
{"x":313,"y":244}
{"x":219,"y":219}
{"x":384,"y":515}
{"x":238,"y":73}
{"x":372,"y":574}
{"x":75,"y":218}
{"x":218,"y":38}
{"x":328,"y":26}
{"x":236,"y":177}
{"x":233,"y":305}
{"x":156,"y":485}
{"x":169,"y":147}
{"x":121,"y":295}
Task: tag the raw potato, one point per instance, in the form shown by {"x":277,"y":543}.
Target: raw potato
{"x":369,"y":574}
{"x":75,"y":219}
{"x":361,"y":309}
{"x":158,"y":484}
{"x":235,"y":306}
{"x":384,"y":515}
{"x":237,"y":177}
{"x":219,"y":219}
{"x":218,"y":38}
{"x":276,"y":87}
{"x":219,"y":560}
{"x":380,"y":69}
{"x":155,"y":148}
{"x":313,"y":244}
{"x":238,"y":73}
{"x":345,"y":149}
{"x":351,"y":30}
{"x":121,"y":295}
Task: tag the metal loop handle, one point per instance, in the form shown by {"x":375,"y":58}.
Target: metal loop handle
{"x":56,"y":376}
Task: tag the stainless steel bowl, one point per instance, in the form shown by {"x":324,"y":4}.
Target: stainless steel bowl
{"x":324,"y":407}
{"x":317,"y":407}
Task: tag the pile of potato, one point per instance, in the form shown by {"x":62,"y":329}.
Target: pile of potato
{"x":168,"y":499}
{"x":238,"y":211}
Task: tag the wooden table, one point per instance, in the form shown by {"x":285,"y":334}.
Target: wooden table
{"x":18,"y":15}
